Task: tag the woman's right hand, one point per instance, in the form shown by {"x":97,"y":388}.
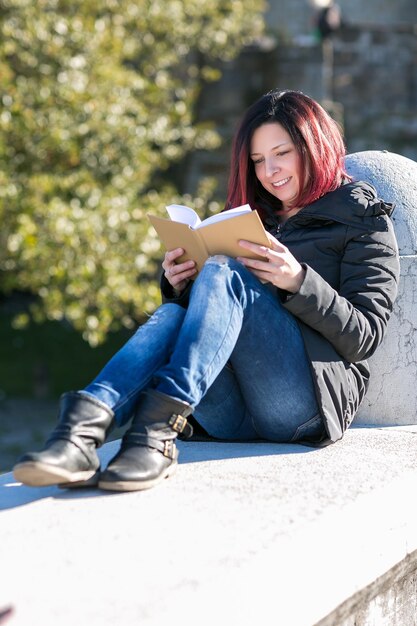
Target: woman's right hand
{"x":178,"y":274}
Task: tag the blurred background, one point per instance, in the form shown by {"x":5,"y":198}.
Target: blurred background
{"x":112,"y":109}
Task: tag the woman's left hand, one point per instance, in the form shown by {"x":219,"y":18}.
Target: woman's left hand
{"x":280,"y":267}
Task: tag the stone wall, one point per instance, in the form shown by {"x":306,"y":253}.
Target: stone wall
{"x":375,"y":79}
{"x":373,"y":91}
{"x":292,"y":18}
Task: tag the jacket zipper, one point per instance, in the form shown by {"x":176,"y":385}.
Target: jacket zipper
{"x":278,"y":231}
{"x":280,"y":228}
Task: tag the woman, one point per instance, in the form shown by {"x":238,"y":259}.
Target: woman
{"x":255,"y":349}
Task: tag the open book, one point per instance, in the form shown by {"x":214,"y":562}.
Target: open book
{"x":218,"y":234}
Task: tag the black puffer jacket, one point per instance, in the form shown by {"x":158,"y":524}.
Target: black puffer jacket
{"x":347,"y":244}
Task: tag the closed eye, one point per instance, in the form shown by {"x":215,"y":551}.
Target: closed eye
{"x":282,"y":153}
{"x":277,"y":154}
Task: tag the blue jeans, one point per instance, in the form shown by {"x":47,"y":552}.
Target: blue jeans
{"x":235,"y":355}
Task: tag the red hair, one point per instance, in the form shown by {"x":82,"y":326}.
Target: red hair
{"x":317,"y":139}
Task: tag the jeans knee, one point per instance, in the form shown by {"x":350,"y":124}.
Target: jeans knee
{"x":224,"y":272}
{"x":170,"y":311}
{"x":222,"y":260}
{"x":170,"y":308}
{"x":225,"y":267}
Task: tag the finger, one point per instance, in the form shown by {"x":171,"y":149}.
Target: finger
{"x":182,"y":267}
{"x":173,"y":269}
{"x":183,"y":277}
{"x":253,"y":247}
{"x":271,"y":259}
{"x":262,"y":250}
{"x":255,"y":264}
{"x":264,"y":277}
{"x":172,"y":255}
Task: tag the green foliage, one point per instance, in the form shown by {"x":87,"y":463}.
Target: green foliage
{"x":97,"y":99}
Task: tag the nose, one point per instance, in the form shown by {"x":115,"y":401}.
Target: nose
{"x":271,"y":167}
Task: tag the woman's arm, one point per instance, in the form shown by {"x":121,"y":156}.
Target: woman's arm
{"x":354,"y":319}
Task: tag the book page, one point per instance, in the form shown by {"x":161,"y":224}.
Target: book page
{"x":183,"y":214}
{"x":225,"y":215}
{"x":219,"y":237}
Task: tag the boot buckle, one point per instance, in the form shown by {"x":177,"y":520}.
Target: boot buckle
{"x":178,"y":422}
{"x":169,"y":449}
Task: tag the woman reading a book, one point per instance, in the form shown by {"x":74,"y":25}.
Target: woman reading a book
{"x":272,"y":347}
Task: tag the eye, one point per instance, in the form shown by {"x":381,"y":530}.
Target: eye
{"x":257,"y":161}
{"x":283,"y":153}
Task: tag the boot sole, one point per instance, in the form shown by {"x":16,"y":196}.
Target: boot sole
{"x":82,"y":484}
{"x":36,"y":474}
{"x":138,"y":485}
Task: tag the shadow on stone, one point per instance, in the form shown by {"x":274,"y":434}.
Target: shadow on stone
{"x":14,"y":494}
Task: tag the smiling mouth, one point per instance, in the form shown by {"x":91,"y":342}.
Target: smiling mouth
{"x":281,"y":182}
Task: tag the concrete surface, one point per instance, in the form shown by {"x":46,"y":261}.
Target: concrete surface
{"x":244,"y":534}
{"x":392,"y":395}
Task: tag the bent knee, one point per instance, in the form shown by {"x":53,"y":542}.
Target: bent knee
{"x":169,"y":307}
{"x":168,"y":310}
{"x":222,"y":260}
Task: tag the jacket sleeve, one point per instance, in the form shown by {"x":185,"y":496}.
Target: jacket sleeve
{"x":353,"y":319}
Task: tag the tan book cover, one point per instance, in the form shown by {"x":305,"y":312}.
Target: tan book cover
{"x":218,"y":234}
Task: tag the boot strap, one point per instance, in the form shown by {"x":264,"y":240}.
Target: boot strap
{"x":167,"y":447}
{"x":180,"y":424}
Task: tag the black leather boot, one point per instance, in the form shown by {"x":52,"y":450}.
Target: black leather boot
{"x":69,"y":456}
{"x":148,"y":453}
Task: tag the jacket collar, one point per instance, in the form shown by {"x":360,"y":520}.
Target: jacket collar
{"x":353,"y":204}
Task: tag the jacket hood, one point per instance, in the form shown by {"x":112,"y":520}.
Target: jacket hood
{"x":354,"y":204}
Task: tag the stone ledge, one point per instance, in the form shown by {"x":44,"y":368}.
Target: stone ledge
{"x":244,"y":532}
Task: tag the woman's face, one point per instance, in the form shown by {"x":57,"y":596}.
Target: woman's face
{"x":276,"y":162}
